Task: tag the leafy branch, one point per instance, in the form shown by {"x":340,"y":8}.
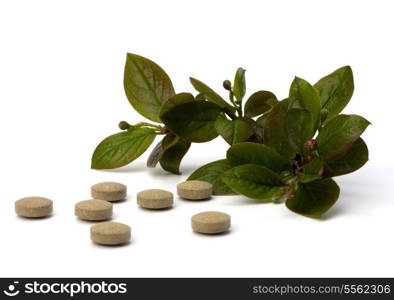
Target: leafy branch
{"x":280,"y":151}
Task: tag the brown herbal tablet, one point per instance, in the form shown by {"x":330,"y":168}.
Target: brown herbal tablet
{"x":93,"y":210}
{"x":155,"y":199}
{"x":211,"y":222}
{"x":34,"y":207}
{"x":109,"y":191}
{"x":110,"y":233}
{"x":195,"y":190}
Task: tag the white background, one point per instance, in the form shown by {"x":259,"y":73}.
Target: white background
{"x":61,"y":92}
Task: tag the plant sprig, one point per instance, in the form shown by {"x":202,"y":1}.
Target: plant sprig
{"x":280,"y":151}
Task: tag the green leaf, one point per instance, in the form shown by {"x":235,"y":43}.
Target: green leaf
{"x":254,"y":181}
{"x":286,"y":130}
{"x":257,"y":154}
{"x":212,"y":173}
{"x":314,"y":198}
{"x":259,"y":103}
{"x":239,"y":88}
{"x":336,"y":90}
{"x":233,"y":131}
{"x":274,"y":125}
{"x":172,"y":157}
{"x":299,"y":129}
{"x":210,"y":94}
{"x":146,"y":85}
{"x":193,"y":121}
{"x":175,"y":100}
{"x":338,"y":134}
{"x":351,"y":161}
{"x":122,"y":148}
{"x":312,"y":170}
{"x":308,"y":98}
{"x":157,"y":153}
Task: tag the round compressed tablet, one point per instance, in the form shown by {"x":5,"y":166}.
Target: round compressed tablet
{"x":34,"y":207}
{"x":93,"y":210}
{"x":194,"y":190}
{"x":110,"y":233}
{"x":155,"y":199}
{"x":109,"y":191}
{"x":211,"y":222}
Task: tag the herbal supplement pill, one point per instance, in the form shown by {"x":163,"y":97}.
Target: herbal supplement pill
{"x":155,"y":199}
{"x":110,"y":233}
{"x":211,"y":222}
{"x":109,"y":191}
{"x":33,"y":207}
{"x":93,"y":210}
{"x":195,"y":190}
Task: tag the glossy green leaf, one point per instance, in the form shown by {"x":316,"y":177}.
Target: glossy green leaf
{"x":210,"y":94}
{"x":257,"y":154}
{"x":314,"y":198}
{"x":239,"y":88}
{"x":146,"y":85}
{"x":172,"y":157}
{"x":273,"y":122}
{"x":339,"y":133}
{"x":259,"y":103}
{"x":233,"y":131}
{"x":336,"y":90}
{"x":175,"y":100}
{"x":254,"y":181}
{"x":122,"y":148}
{"x":167,"y":142}
{"x":352,"y":160}
{"x":212,"y":173}
{"x":299,"y":129}
{"x":307,"y":97}
{"x":286,"y":130}
{"x":193,"y":121}
{"x":312,"y":170}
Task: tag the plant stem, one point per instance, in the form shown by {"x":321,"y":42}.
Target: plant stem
{"x":231,"y":96}
{"x":239,"y":108}
{"x":145,"y":124}
{"x":237,"y":105}
{"x":158,"y":129}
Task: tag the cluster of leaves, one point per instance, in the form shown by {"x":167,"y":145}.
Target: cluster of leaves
{"x":280,"y":151}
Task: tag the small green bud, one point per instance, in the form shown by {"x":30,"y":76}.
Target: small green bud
{"x":123,"y":125}
{"x":227,"y":85}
